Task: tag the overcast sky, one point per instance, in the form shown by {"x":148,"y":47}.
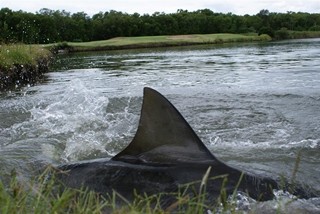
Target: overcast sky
{"x":239,"y":7}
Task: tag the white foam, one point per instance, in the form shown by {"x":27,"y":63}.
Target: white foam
{"x":217,"y":142}
{"x":80,"y":120}
{"x":284,"y":202}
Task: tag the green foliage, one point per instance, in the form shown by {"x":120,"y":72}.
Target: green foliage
{"x":266,"y":30}
{"x":315,"y":28}
{"x":283,"y":33}
{"x":50,"y":26}
{"x":61,"y":46}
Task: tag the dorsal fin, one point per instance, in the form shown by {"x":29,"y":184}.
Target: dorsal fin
{"x":163,"y":135}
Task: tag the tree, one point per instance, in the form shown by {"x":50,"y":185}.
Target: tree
{"x":48,"y":26}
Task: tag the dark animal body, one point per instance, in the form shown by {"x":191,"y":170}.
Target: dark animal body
{"x":164,"y":154}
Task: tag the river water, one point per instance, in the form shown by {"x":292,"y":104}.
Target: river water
{"x":255,"y":106}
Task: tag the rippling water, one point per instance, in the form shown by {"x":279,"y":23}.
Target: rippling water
{"x":256,"y":106}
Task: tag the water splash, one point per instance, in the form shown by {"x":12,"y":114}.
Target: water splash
{"x":77,"y":108}
{"x":79,"y":123}
{"x":283,"y":202}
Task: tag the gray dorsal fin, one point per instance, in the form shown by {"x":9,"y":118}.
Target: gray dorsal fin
{"x":163,"y":135}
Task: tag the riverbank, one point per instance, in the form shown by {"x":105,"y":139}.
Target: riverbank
{"x":120,"y":43}
{"x":22,"y":64}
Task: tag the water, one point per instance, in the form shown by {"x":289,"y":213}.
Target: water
{"x":256,"y":106}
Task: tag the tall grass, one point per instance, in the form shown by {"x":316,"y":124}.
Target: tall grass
{"x":22,"y":64}
{"x":43,"y":195}
{"x":20,"y":54}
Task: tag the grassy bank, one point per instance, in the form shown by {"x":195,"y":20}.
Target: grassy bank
{"x":21,"y":64}
{"x":157,"y":41}
{"x":20,"y":54}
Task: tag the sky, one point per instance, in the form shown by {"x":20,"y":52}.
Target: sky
{"x":91,"y":7}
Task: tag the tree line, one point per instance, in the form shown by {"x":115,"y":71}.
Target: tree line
{"x":49,"y":26}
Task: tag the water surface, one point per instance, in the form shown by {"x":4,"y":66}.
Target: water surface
{"x":256,"y":106}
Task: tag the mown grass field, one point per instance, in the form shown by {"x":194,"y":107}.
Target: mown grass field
{"x":159,"y":41}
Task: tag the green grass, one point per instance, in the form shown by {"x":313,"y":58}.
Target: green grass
{"x":22,"y":64}
{"x":41,"y":198}
{"x":44,"y":196}
{"x":158,"y":41}
{"x":20,"y":54}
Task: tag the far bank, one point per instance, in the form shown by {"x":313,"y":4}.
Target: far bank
{"x":120,"y":43}
{"x":23,"y":64}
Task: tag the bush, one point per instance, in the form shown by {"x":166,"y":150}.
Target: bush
{"x":283,"y":33}
{"x":315,"y":28}
{"x":266,"y":30}
{"x":61,"y":47}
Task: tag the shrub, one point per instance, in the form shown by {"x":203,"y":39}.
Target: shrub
{"x":283,"y":33}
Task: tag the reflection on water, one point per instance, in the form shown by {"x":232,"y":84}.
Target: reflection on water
{"x":256,"y":106}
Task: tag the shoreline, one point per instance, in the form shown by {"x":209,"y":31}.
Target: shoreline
{"x":22,"y":64}
{"x":141,"y":42}
{"x":25,"y":64}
